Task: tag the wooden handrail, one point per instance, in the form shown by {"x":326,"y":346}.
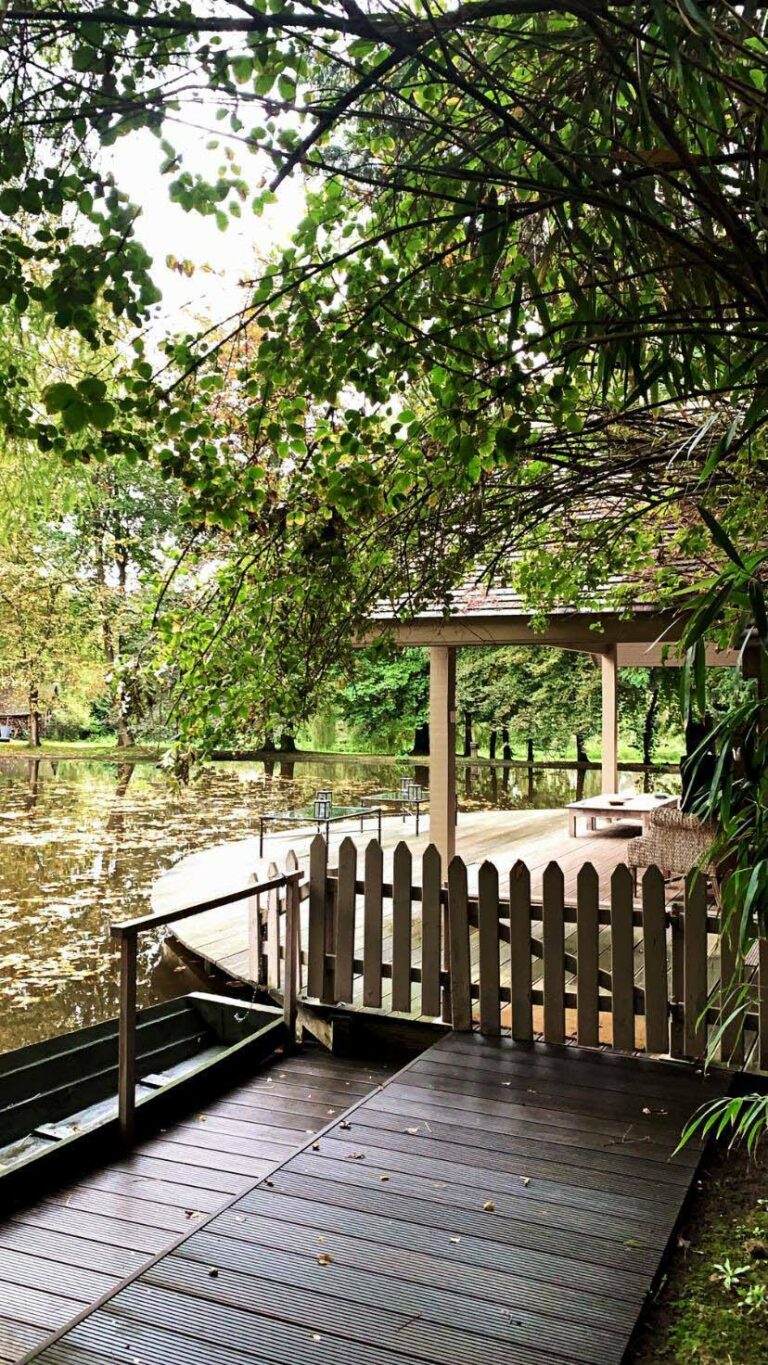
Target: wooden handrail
{"x":127,"y":931}
{"x":156,"y":921}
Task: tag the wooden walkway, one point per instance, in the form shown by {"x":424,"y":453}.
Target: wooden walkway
{"x":63,"y":1253}
{"x":220,"y":937}
{"x":493,"y":1202}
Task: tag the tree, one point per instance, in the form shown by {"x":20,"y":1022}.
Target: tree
{"x":48,"y":641}
{"x":526,"y":303}
{"x":386,"y":697}
{"x":548,"y":697}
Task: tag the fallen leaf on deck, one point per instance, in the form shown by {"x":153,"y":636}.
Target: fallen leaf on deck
{"x":324,"y":1258}
{"x":489,"y":1206}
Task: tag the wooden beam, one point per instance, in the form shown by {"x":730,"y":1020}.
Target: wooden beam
{"x":442,"y":751}
{"x":610,"y":749}
{"x":669,"y":656}
{"x":593,"y":633}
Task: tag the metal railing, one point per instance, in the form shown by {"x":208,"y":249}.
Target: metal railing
{"x":127,"y":933}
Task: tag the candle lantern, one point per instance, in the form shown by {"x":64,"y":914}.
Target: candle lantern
{"x":323,"y":801}
{"x":405,"y":784}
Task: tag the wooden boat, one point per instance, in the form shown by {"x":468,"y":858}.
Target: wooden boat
{"x":58,"y":1099}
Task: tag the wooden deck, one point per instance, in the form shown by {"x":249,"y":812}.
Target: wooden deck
{"x":63,"y":1253}
{"x":493,"y":1202}
{"x":220,"y":937}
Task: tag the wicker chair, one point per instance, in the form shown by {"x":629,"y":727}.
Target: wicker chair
{"x":676,"y":843}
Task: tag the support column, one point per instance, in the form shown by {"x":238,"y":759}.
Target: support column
{"x":610,"y":749}
{"x":442,"y":752}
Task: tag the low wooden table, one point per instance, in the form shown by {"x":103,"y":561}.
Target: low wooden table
{"x":612,"y":806}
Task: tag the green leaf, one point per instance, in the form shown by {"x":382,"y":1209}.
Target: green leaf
{"x":101,"y":414}
{"x":58,"y":396}
{"x":92,"y":388}
{"x":75,"y":415}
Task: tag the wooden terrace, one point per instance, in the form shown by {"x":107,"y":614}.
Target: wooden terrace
{"x":535,"y":837}
{"x":68,"y":1248}
{"x":491,"y":1201}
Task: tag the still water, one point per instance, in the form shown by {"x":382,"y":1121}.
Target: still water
{"x":82,"y":842}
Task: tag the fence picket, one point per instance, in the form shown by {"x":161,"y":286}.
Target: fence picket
{"x":488,"y":926}
{"x":520,"y":951}
{"x":731,"y":984}
{"x":695,"y":960}
{"x":431,"y":914}
{"x":762,"y":1003}
{"x":345,"y":921}
{"x":255,"y":944}
{"x":587,"y":934}
{"x":273,"y":931}
{"x":318,"y":873}
{"x":372,"y":925}
{"x":622,"y":959}
{"x":655,"y":961}
{"x":401,"y":928}
{"x":458,"y":919}
{"x":677,"y":973}
{"x":553,"y":936}
{"x":292,"y":975}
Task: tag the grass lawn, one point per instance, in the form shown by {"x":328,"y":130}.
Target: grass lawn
{"x":712,"y":1308}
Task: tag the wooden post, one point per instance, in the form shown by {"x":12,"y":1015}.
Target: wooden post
{"x":442,"y":751}
{"x":292,"y":972}
{"x":610,"y":747}
{"x":255,"y":941}
{"x":126,"y":1081}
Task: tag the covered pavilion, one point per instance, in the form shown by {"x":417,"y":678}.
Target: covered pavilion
{"x":637,"y":633}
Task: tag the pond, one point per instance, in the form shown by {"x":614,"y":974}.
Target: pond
{"x":81,"y":843}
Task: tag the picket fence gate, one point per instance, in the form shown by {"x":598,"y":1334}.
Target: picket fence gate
{"x":638,"y":973}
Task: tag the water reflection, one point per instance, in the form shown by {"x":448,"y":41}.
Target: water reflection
{"x":82,"y":842}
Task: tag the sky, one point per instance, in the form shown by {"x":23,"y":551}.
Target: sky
{"x":165,"y":229}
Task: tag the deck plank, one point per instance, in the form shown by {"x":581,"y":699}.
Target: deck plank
{"x":78,"y":1243}
{"x":389,"y":1242}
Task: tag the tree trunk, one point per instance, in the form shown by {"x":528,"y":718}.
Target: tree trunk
{"x":649,"y":728}
{"x":467,"y":734}
{"x":287,"y":743}
{"x":492,"y":744}
{"x":529,"y":746}
{"x":581,"y":753}
{"x":34,"y":717}
{"x":421,"y":740}
{"x":506,"y":752}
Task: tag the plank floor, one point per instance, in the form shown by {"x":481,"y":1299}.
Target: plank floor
{"x":220,"y":937}
{"x":492,"y":1202}
{"x":66,"y":1251}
